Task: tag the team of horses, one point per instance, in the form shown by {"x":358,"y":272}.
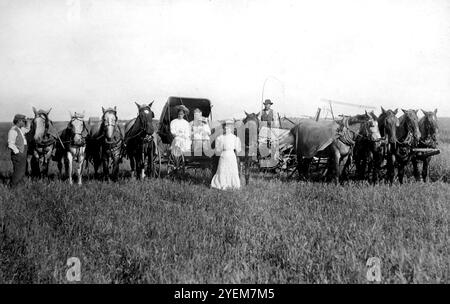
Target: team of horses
{"x":386,"y":139}
{"x":102,"y":144}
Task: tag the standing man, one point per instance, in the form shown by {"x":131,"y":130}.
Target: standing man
{"x":17,"y":143}
{"x":268,"y":114}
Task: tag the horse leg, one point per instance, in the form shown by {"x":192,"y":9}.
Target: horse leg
{"x":299,"y":168}
{"x":346,"y":160}
{"x":305,"y":167}
{"x":416,"y":169}
{"x":376,"y":163}
{"x":60,"y":166}
{"x":401,"y":171}
{"x":47,"y":165}
{"x":142,"y":165}
{"x":47,"y":159}
{"x":115,"y":173}
{"x":425,"y":168}
{"x":70,"y":162}
{"x":336,"y":157}
{"x":80,"y":168}
{"x":35,"y":169}
{"x":105,"y":164}
{"x":362,"y":164}
{"x":247,"y":170}
{"x":96,"y":163}
{"x":391,"y":168}
{"x":133,"y":167}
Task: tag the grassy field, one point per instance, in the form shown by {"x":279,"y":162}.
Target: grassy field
{"x":163,"y":231}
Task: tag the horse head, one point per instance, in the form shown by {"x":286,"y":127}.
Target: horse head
{"x":370,"y":127}
{"x":251,"y":118}
{"x":388,"y":123}
{"x":40,"y":124}
{"x":77,"y":128}
{"x":410,"y":124}
{"x":429,"y":125}
{"x":109,"y":122}
{"x":145,"y":117}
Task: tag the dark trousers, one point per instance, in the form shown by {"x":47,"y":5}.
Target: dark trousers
{"x":19,"y":162}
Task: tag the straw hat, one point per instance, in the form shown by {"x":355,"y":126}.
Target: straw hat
{"x":182,"y":108}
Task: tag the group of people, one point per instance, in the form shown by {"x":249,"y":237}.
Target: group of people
{"x":196,"y":135}
{"x":193,"y":135}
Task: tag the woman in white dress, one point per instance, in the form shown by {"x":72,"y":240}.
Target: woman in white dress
{"x":228,"y":145}
{"x":181,"y":130}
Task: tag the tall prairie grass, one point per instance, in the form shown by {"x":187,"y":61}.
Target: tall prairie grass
{"x":164,"y":231}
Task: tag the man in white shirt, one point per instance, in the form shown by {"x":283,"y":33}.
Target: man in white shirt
{"x":17,"y":143}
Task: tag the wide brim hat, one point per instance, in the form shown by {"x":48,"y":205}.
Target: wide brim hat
{"x":228,"y":122}
{"x":268,"y":101}
{"x":182,"y":108}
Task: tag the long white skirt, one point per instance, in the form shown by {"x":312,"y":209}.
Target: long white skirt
{"x":227,"y":175}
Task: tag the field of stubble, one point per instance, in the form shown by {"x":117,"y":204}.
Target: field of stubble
{"x":163,"y":231}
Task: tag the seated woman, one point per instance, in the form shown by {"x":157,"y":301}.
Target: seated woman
{"x":181,"y":130}
{"x":227,"y":145}
{"x":200,"y":133}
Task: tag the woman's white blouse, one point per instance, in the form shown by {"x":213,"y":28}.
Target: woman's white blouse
{"x":228,"y":142}
{"x":180,"y":128}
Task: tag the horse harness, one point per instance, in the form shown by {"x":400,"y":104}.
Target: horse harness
{"x":76,"y":146}
{"x":113,"y":149}
{"x":46,"y":145}
{"x":345,"y":134}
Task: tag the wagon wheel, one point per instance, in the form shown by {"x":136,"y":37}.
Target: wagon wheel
{"x":175,"y":165}
{"x":318,"y":168}
{"x":349,"y":169}
{"x":288,"y":165}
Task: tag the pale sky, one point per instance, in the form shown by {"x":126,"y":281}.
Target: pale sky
{"x":82,"y":55}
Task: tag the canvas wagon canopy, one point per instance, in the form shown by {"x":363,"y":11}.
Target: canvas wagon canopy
{"x":169,"y":113}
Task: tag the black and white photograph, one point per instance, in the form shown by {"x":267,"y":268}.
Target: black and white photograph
{"x":224,"y":142}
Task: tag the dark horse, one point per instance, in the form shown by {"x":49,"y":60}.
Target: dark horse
{"x":72,"y":146}
{"x":388,"y":123}
{"x":367,"y":153}
{"x":408,"y":138}
{"x":338,"y":148}
{"x":249,"y":130}
{"x":139,"y":141}
{"x":41,"y":142}
{"x":105,"y":144}
{"x":428,"y":126}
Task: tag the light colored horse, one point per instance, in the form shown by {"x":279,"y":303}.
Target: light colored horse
{"x":73,"y":147}
{"x":41,"y":141}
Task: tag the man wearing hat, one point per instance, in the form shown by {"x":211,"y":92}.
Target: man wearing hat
{"x":17,"y":143}
{"x":268,"y":114}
